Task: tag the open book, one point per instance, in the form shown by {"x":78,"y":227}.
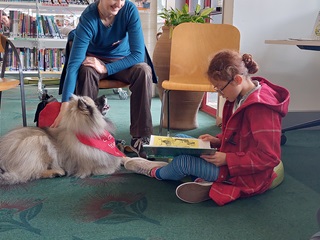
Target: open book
{"x":316,"y":28}
{"x":315,"y":35}
{"x":169,"y":147}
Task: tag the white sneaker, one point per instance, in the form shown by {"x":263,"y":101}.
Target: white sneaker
{"x":124,"y":160}
{"x":142,"y":166}
{"x":194,"y":192}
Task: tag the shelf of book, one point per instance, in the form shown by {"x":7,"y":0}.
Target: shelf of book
{"x":43,"y":7}
{"x":35,"y":31}
{"x":39,"y":42}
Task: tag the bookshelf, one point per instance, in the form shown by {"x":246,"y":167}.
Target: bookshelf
{"x":34,"y":31}
{"x":74,"y":8}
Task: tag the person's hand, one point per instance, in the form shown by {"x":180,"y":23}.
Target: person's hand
{"x":214,"y":141}
{"x":5,"y":20}
{"x":218,"y":159}
{"x":63,"y":110}
{"x":96,"y":64}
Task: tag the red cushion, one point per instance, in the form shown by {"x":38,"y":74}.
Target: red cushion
{"x":49,"y":114}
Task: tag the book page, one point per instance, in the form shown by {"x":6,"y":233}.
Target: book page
{"x":178,"y":142}
{"x":316,"y":28}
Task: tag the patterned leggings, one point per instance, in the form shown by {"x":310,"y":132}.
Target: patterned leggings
{"x":186,"y":165}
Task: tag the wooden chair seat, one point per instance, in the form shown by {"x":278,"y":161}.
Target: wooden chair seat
{"x":107,"y":84}
{"x":7,"y":83}
{"x":183,"y":83}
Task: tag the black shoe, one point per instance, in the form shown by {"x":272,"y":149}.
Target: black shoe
{"x":137,"y":146}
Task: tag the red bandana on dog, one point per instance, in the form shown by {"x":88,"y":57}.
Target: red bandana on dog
{"x":105,"y":143}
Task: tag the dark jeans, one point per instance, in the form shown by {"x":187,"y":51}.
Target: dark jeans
{"x":140,"y":79}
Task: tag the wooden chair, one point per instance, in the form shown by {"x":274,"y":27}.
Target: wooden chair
{"x":193,"y":46}
{"x":7,"y":83}
{"x":116,"y":86}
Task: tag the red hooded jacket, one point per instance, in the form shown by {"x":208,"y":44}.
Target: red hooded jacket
{"x":251,"y":140}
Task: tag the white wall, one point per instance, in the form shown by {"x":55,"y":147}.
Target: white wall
{"x":298,"y":70}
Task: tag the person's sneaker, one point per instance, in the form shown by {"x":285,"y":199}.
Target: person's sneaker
{"x":143,"y":166}
{"x":137,"y":146}
{"x":124,"y":160}
{"x":194,"y":192}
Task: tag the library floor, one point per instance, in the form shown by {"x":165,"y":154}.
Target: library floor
{"x":127,"y":206}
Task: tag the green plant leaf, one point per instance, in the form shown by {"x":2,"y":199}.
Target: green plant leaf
{"x":198,"y":9}
{"x":174,"y":17}
{"x":185,"y":8}
{"x":206,"y":12}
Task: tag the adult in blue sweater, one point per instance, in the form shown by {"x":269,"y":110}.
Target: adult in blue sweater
{"x":108,"y":43}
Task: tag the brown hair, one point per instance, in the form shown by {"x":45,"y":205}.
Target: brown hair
{"x":227,"y":63}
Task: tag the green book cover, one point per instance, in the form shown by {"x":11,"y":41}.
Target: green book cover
{"x":169,"y":147}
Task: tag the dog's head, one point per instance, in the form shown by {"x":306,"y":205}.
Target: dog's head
{"x":83,"y":117}
{"x":102,"y":104}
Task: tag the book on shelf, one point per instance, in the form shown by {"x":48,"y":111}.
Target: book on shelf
{"x":169,"y":147}
{"x":316,"y":28}
{"x":315,"y":34}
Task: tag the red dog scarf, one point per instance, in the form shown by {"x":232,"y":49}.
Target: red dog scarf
{"x":105,"y":143}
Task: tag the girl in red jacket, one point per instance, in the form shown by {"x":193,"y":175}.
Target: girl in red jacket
{"x":248,"y":146}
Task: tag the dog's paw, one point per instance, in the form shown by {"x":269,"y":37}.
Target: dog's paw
{"x":52,"y":173}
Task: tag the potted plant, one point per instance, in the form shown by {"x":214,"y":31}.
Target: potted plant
{"x":161,"y":61}
{"x":173,"y":17}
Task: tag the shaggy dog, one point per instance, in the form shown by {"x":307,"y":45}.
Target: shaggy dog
{"x":81,"y":146}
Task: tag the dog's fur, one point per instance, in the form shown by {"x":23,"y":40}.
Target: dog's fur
{"x":30,"y":153}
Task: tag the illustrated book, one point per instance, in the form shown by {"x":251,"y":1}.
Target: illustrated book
{"x":169,"y":147}
{"x":316,"y":28}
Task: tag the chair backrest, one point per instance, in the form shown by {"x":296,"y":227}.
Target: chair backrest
{"x":3,"y":47}
{"x":193,"y":46}
{"x":5,"y":43}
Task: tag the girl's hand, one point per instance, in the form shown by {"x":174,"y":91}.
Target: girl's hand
{"x":96,"y":64}
{"x":214,"y":142}
{"x":63,"y":109}
{"x":218,"y":159}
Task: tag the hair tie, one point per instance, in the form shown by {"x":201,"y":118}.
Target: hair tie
{"x":247,"y":59}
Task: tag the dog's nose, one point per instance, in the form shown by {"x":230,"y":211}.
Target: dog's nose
{"x":106,"y":107}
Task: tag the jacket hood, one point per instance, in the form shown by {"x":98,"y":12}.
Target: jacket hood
{"x":275,"y":97}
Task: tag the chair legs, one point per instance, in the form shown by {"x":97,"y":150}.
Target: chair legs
{"x":0,"y":98}
{"x":165,"y":100}
{"x":23,"y":97}
{"x":23,"y":104}
{"x":161,"y":113}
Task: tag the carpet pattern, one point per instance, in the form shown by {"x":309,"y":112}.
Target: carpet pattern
{"x":127,"y":206}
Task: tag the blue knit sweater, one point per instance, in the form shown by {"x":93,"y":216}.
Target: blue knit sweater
{"x":123,"y":40}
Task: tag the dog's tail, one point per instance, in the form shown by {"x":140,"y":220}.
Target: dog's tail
{"x":2,"y":177}
{"x":7,"y":177}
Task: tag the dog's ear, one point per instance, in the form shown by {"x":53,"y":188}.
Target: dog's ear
{"x":84,"y":106}
{"x":81,"y":104}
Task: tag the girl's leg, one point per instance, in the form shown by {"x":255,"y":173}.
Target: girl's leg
{"x":186,"y":165}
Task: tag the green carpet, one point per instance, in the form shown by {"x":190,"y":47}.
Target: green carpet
{"x":127,"y":206}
